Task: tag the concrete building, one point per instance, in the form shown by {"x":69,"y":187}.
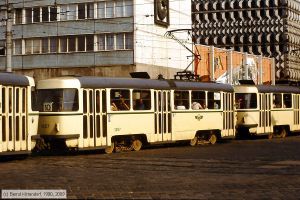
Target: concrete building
{"x":96,"y":37}
{"x":262,"y":27}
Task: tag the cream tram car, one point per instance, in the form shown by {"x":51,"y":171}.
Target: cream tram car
{"x":267,"y":110}
{"x":110,"y":113}
{"x":18,"y":121}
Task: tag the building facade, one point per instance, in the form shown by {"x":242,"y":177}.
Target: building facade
{"x":96,"y":37}
{"x":262,"y":27}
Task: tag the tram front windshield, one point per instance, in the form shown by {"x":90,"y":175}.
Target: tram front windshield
{"x":57,"y":100}
{"x":246,"y":100}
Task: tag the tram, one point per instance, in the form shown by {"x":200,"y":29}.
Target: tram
{"x":97,"y":112}
{"x":267,"y":110}
{"x":18,"y":117}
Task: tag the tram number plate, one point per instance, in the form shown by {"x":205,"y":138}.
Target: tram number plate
{"x":47,"y":106}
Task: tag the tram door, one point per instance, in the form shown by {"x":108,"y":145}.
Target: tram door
{"x":228,"y":115}
{"x":94,"y":117}
{"x":13,"y":118}
{"x":296,"y":111}
{"x":265,"y":113}
{"x":100,"y":118}
{"x":88,"y":118}
{"x":162,"y":116}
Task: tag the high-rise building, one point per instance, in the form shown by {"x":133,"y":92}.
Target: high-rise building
{"x":96,"y":37}
{"x":262,"y":27}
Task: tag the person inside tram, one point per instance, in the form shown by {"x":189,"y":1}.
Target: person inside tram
{"x":197,"y":105}
{"x":180,"y":106}
{"x":113,"y":106}
{"x":139,"y":104}
{"x":122,"y":104}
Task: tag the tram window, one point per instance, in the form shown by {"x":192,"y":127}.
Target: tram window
{"x":141,"y":99}
{"x":213,"y":100}
{"x":181,"y":99}
{"x":287,"y":100}
{"x":10,"y":100}
{"x":277,"y":100}
{"x":3,"y":100}
{"x":3,"y":128}
{"x":91,"y":101}
{"x":98,"y":101}
{"x":103,"y":101}
{"x":246,"y":100}
{"x":120,"y":99}
{"x":57,"y":100}
{"x":24,"y":100}
{"x":17,"y":99}
{"x":34,"y":101}
{"x":198,"y":100}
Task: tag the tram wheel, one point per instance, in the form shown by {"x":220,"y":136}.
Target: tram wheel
{"x":110,"y":149}
{"x":137,"y":145}
{"x":194,"y":141}
{"x":212,"y":139}
{"x":283,"y":133}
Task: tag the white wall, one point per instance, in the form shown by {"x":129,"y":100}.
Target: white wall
{"x":151,"y":47}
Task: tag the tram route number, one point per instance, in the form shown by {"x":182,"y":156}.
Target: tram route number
{"x":34,"y":194}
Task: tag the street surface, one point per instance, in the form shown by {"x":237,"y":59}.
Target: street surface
{"x":234,"y":169}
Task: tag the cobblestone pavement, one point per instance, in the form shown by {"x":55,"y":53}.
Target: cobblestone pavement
{"x":235,"y":169}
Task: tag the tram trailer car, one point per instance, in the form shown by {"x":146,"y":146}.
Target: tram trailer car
{"x":18,"y":120}
{"x":267,"y":109}
{"x":110,"y":113}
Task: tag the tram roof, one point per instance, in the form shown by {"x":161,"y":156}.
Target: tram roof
{"x":185,"y":85}
{"x":13,"y":79}
{"x":103,"y":82}
{"x":277,"y":89}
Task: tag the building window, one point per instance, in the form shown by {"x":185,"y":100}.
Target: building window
{"x":110,"y":42}
{"x":128,"y":41}
{"x":45,"y":14}
{"x":101,"y":10}
{"x":101,"y":42}
{"x":36,"y":14}
{"x":45,"y":45}
{"x":63,"y":12}
{"x":53,"y":44}
{"x":110,"y":9}
{"x":81,"y":43}
{"x":119,"y":8}
{"x":2,"y":47}
{"x":36,"y":45}
{"x":81,"y":11}
{"x":128,"y":11}
{"x":18,"y":47}
{"x":28,"y":46}
{"x":72,"y":43}
{"x":2,"y":17}
{"x":72,"y":12}
{"x":89,"y":42}
{"x":90,"y":10}
{"x":63,"y":44}
{"x":120,"y":41}
{"x":18,"y":16}
{"x":53,"y":14}
{"x":28,"y":15}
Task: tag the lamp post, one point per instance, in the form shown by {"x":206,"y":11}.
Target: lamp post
{"x":8,"y":37}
